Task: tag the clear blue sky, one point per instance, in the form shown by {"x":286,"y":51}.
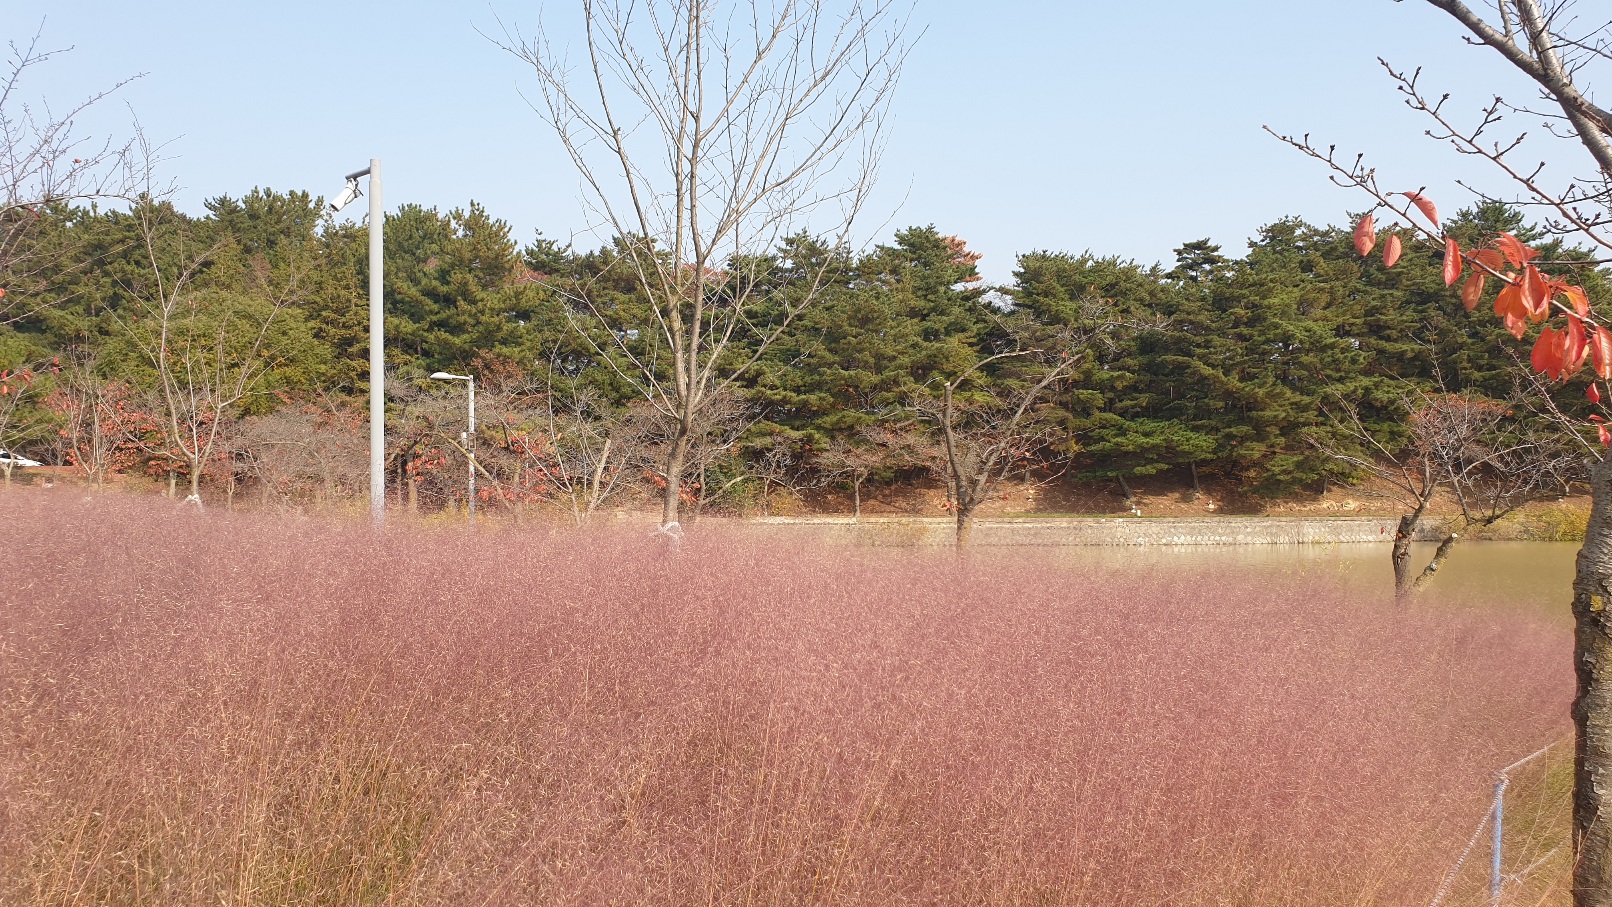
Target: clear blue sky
{"x":1123,"y":128}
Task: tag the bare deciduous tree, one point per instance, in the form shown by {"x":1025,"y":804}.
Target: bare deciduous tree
{"x":1546,"y":41}
{"x":94,"y":420}
{"x":994,"y":430}
{"x":564,"y":445}
{"x":596,"y":454}
{"x":777,"y":465}
{"x":208,"y":348}
{"x":705,"y":133}
{"x":879,"y":446}
{"x":314,"y":452}
{"x":989,"y":430}
{"x":46,"y":165}
{"x":1473,"y":449}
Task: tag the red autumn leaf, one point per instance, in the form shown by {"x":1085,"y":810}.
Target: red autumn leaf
{"x":1601,"y":352}
{"x":1581,"y":302}
{"x":1547,"y":356}
{"x":1593,"y":393}
{"x":1517,"y":326}
{"x":1473,"y":291}
{"x":1489,"y":258}
{"x":1577,"y":347}
{"x":1565,"y":351}
{"x":1391,"y":250}
{"x":1513,"y":249}
{"x":1424,"y":205}
{"x":1452,"y":260}
{"x":1509,"y":303}
{"x":2,"y":294}
{"x":1535,"y":294}
{"x":1606,"y":436}
{"x":1366,"y":235}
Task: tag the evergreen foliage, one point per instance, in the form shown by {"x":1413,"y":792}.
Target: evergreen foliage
{"x":1226,"y":366}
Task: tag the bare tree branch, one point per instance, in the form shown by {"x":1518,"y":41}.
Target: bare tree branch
{"x":45,"y":168}
{"x":704,"y":135}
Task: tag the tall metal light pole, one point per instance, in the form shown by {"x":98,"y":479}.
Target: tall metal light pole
{"x":470,"y":436}
{"x":377,"y":334}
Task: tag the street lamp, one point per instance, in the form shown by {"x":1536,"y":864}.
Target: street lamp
{"x":470,"y":436}
{"x":377,"y":335}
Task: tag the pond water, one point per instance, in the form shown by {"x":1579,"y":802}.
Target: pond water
{"x":1532,"y":576}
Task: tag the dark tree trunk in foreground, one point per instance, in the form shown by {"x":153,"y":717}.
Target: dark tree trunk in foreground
{"x":1592,"y":703}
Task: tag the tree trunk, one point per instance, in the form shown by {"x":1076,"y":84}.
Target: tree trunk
{"x":675,"y":460}
{"x":173,"y":483}
{"x":1592,"y":704}
{"x":856,"y":496}
{"x":195,"y":485}
{"x":1197,"y":489}
{"x":1401,"y":556}
{"x":965,"y":502}
{"x":699,"y":499}
{"x":1426,"y":576}
{"x":595,"y":485}
{"x":1130,"y":496}
{"x":965,"y":528}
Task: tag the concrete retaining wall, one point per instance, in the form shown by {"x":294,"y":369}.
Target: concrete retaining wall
{"x":1117,"y":531}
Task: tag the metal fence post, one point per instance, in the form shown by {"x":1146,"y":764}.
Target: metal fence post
{"x":1497,"y":826}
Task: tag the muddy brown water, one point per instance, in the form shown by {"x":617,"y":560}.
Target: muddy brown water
{"x":1535,"y":577}
{"x":1531,"y":577}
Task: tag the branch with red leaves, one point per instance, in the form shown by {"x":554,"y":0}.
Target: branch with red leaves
{"x":1526,"y":296}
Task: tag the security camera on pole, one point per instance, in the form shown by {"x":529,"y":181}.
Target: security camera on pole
{"x":377,"y":335}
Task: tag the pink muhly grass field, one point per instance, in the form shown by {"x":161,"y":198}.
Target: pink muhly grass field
{"x":218,"y":709}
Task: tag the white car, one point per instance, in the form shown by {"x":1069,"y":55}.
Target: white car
{"x":7,"y":458}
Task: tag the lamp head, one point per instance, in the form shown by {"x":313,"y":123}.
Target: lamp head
{"x":445,"y":376}
{"x":346,"y":197}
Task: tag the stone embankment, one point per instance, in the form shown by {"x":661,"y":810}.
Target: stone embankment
{"x":1111,"y":531}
